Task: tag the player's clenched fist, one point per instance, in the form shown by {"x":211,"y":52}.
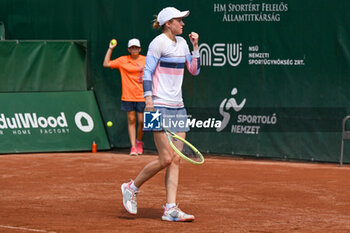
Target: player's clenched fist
{"x":194,"y":39}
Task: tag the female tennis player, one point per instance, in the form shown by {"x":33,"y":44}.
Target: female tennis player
{"x":131,"y":70}
{"x":167,"y":56}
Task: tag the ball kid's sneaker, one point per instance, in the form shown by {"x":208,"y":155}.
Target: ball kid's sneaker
{"x":139,"y":147}
{"x":133,"y":151}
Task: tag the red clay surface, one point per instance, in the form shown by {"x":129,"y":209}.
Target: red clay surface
{"x":80,"y":192}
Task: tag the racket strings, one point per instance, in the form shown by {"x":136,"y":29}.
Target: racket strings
{"x":186,"y":150}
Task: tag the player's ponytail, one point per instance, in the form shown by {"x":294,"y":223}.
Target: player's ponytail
{"x":156,"y":23}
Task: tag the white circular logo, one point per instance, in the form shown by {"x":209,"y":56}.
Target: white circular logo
{"x":84,"y":122}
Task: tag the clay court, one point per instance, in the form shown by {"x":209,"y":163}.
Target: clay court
{"x":80,"y":192}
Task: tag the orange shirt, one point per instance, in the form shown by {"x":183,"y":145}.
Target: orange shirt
{"x":131,"y":72}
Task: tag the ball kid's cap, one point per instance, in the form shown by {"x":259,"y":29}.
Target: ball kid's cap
{"x":134,"y":42}
{"x":169,"y":13}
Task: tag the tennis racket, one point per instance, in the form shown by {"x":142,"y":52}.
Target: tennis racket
{"x":184,"y":149}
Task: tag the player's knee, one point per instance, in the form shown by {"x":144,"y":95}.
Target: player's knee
{"x":166,"y":161}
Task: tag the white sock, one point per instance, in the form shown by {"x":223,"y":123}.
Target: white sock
{"x":170,"y":205}
{"x":134,"y":187}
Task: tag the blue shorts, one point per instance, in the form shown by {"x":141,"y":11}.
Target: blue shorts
{"x":132,"y":106}
{"x":173,"y":119}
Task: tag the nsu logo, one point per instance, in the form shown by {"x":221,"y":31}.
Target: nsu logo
{"x":231,"y":53}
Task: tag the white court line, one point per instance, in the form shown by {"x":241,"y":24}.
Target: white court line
{"x":301,"y":164}
{"x":25,"y":229}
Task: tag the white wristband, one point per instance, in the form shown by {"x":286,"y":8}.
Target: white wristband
{"x":195,"y":53}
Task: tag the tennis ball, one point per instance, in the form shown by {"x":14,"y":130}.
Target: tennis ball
{"x":109,"y":124}
{"x":113,"y":42}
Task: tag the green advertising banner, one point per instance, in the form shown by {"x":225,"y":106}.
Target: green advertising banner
{"x":28,"y":65}
{"x":48,"y":122}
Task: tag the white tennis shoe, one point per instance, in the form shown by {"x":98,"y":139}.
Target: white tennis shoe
{"x":174,"y":214}
{"x":129,"y":198}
